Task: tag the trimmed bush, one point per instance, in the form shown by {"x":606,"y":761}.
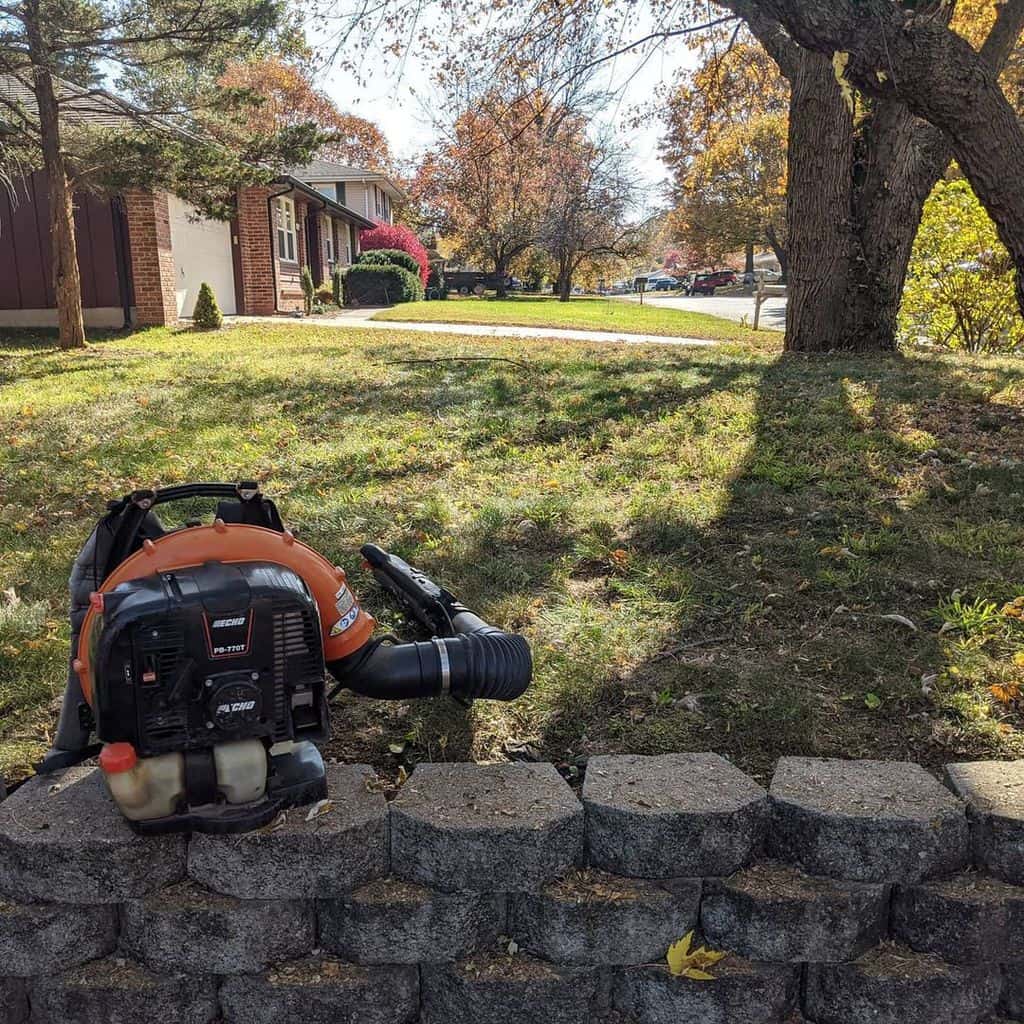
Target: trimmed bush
{"x":397,"y":236}
{"x":308,"y":289}
{"x":394,"y":257}
{"x":338,"y":286}
{"x":207,"y":314}
{"x":369,"y":285}
{"x":325,"y":295}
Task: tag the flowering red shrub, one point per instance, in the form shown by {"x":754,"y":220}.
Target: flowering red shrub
{"x":396,"y":236}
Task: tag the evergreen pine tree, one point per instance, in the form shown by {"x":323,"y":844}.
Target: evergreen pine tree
{"x":207,"y":314}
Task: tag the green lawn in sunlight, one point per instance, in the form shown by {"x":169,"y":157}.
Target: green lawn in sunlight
{"x":705,"y":547}
{"x":584,"y":314}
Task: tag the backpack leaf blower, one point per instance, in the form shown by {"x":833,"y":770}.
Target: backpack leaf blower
{"x":200,"y":659}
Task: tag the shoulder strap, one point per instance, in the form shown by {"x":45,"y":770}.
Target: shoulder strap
{"x":131,"y":520}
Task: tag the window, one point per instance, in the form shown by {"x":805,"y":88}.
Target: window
{"x":339,"y":192}
{"x":327,"y":227}
{"x":376,"y":200}
{"x":285,"y":229}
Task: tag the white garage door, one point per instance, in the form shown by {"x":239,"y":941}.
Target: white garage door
{"x":202,"y":252}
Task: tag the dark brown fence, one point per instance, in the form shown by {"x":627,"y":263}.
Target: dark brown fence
{"x":26,"y":281}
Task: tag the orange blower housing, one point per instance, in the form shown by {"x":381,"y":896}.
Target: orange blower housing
{"x":200,"y":658}
{"x":345,"y":627}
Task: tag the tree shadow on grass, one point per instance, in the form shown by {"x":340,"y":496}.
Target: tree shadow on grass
{"x":515,"y":552}
{"x":833,"y":521}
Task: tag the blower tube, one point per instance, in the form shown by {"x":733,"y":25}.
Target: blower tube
{"x":479,"y":662}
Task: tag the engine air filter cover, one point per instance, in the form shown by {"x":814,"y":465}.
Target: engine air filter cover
{"x":236,"y":706}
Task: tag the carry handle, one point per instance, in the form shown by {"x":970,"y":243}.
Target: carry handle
{"x":131,"y":511}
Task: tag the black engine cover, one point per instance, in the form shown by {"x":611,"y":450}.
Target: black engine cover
{"x":187,"y":659}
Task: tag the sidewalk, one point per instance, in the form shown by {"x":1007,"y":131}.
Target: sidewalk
{"x":361,"y":318}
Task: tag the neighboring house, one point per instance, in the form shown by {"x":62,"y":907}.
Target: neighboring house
{"x":143,"y":255}
{"x":367,"y":192}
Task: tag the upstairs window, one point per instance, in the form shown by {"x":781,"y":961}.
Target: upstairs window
{"x":285,"y":229}
{"x":339,"y":192}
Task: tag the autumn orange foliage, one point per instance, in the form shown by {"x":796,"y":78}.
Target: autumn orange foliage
{"x":284,"y":97}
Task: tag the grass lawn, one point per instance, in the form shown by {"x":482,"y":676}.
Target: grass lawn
{"x":705,"y":547}
{"x":584,"y":314}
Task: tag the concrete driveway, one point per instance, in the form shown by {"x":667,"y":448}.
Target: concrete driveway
{"x":731,"y":307}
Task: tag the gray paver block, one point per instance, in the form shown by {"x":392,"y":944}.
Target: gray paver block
{"x":390,"y":921}
{"x":966,"y":919}
{"x":63,"y":839}
{"x":671,"y":815}
{"x":594,"y":918}
{"x":13,"y":1001}
{"x":115,"y":989}
{"x":773,"y":912}
{"x":1013,"y":991}
{"x":994,"y":791}
{"x":186,"y":928}
{"x":490,"y":828}
{"x":891,"y":985}
{"x":321,"y":990}
{"x":42,"y":938}
{"x":507,"y":990}
{"x":742,"y":993}
{"x":340,"y":849}
{"x":867,"y":821}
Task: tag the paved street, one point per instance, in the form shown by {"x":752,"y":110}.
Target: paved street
{"x":731,"y":307}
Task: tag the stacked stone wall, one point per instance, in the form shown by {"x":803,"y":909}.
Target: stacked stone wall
{"x":848,"y":892}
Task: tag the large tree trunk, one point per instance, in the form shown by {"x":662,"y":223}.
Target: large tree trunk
{"x":891,"y":181}
{"x":901,"y":160}
{"x":66,"y":282}
{"x":818,"y":208}
{"x":897,"y":162}
{"x":915,"y":59}
{"x":500,"y":273}
{"x":563,"y":284}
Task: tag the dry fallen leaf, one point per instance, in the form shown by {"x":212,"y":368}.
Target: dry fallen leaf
{"x":901,"y":620}
{"x":319,"y":808}
{"x":1005,"y":694}
{"x":685,"y":962}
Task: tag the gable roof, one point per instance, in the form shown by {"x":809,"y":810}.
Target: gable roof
{"x":79,"y":105}
{"x":325,"y":171}
{"x":329,"y":205}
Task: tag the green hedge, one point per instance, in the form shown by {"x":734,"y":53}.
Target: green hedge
{"x":392,"y":257}
{"x":371,"y":285}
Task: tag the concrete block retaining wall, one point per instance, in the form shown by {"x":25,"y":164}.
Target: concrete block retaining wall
{"x":847,"y":893}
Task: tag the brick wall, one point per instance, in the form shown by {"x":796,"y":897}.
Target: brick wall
{"x":152,"y":258}
{"x":848,"y":892}
{"x":269,"y":287}
{"x":254,"y":245}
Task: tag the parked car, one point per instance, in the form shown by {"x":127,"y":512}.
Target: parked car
{"x":705,"y":284}
{"x":475,"y":282}
{"x":661,"y":284}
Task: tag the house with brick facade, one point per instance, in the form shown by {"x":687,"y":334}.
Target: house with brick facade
{"x":143,"y":254}
{"x":367,"y":192}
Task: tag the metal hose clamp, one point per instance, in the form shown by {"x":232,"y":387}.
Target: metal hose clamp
{"x":446,"y":668}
